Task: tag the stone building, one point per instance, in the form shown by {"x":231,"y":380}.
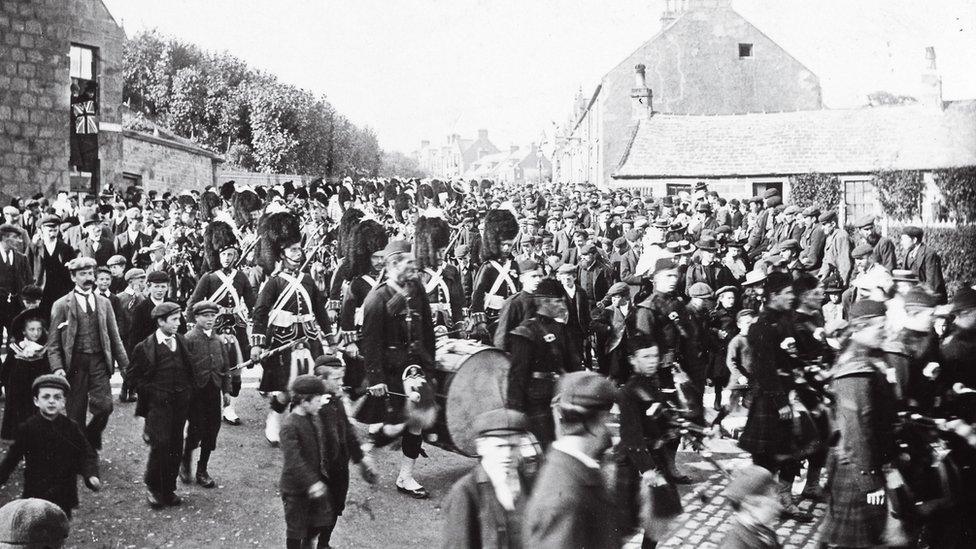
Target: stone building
{"x":60,"y":72}
{"x":706,"y":60}
{"x":156,"y":159}
{"x":455,"y":157}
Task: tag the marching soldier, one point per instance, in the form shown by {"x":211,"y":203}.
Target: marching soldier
{"x":365,"y":266}
{"x":233,"y":294}
{"x":289,"y":313}
{"x":498,"y":276}
{"x":398,"y":338}
{"x":540,"y":355}
{"x":441,"y":280}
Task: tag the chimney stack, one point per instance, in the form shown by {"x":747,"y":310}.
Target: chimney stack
{"x":483,"y":134}
{"x":424,"y":144}
{"x":931,"y":81}
{"x":513,"y":149}
{"x":641,"y":96}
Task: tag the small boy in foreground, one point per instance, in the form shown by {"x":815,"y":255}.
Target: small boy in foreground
{"x":54,"y":448}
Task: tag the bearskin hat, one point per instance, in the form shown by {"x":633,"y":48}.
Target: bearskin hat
{"x":208,"y":201}
{"x":365,"y":239}
{"x":499,"y":225}
{"x":344,"y":195}
{"x":276,"y":232}
{"x":391,"y":191}
{"x":350,"y":218}
{"x":432,"y":234}
{"x":314,"y":185}
{"x":217,"y":237}
{"x":227,"y":190}
{"x":244,"y":203}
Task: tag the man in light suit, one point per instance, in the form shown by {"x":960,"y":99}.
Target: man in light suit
{"x":83,"y":346}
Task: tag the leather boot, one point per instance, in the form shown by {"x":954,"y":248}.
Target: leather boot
{"x":790,"y":510}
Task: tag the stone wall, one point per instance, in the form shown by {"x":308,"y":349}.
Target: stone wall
{"x":166,"y":167}
{"x":35,"y":95}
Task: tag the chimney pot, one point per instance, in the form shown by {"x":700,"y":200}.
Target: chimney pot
{"x":931,"y":81}
{"x":482,"y":134}
{"x":640,"y":78}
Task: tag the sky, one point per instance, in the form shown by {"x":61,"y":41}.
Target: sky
{"x":424,"y":69}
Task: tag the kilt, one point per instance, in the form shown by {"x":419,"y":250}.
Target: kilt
{"x":277,"y":369}
{"x":850,"y":521}
{"x":303,"y":513}
{"x":765,"y":433}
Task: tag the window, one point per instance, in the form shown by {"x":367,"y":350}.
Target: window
{"x":859,"y":198}
{"x":759,"y":188}
{"x":674,"y":188}
{"x":132,"y":180}
{"x":82,"y":62}
{"x":83,"y":158}
{"x":745,"y":50}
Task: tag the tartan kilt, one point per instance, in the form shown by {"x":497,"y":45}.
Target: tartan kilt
{"x":849,"y":520}
{"x":277,"y":369}
{"x":765,"y":433}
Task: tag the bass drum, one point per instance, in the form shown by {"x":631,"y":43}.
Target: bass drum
{"x":471,"y":378}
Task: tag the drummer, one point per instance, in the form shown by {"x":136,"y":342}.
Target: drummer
{"x":398,"y":335}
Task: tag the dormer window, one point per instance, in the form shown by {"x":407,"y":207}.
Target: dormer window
{"x":745,"y":50}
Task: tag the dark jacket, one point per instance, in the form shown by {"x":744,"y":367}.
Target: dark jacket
{"x":61,"y":279}
{"x":569,"y":507}
{"x":145,"y":378}
{"x":318,"y":448}
{"x":389,"y":343}
{"x":209,"y":359}
{"x":473,"y":518}
{"x":129,"y":248}
{"x":105,"y":251}
{"x":56,"y":452}
{"x":927,"y":266}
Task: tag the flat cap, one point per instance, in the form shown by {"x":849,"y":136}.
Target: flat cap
{"x":50,"y":219}
{"x":867,"y":308}
{"x":569,"y":214}
{"x":51,"y":380}
{"x":913,"y":231}
{"x":700,"y":290}
{"x":396,"y":247}
{"x":586,"y":391}
{"x":791,"y":209}
{"x":8,"y":228}
{"x":164,"y":309}
{"x":920,"y":296}
{"x":964,"y":299}
{"x":156,"y":246}
{"x":330,"y":360}
{"x":528,"y":265}
{"x":89,"y":219}
{"x":619,"y":288}
{"x":204,"y":307}
{"x":307,"y":384}
{"x":866,"y":220}
{"x":11,"y":210}
{"x":566,"y":268}
{"x":500,"y":422}
{"x":664,"y":264}
{"x":80,"y":263}
{"x":811,"y":211}
{"x":33,"y":522}
{"x":134,"y":273}
{"x":724,"y":289}
{"x":588,"y":248}
{"x":862,"y":250}
{"x":773,"y":201}
{"x":827,"y":217}
{"x":620,"y":242}
{"x":461,"y":250}
{"x":158,"y":277}
{"x":770,"y":192}
{"x":116,"y":260}
{"x":904,"y":275}
{"x":751,"y":480}
{"x":789,"y":244}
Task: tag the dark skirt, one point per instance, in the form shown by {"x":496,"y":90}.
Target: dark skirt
{"x":850,"y":521}
{"x":19,"y":405}
{"x":765,"y":433}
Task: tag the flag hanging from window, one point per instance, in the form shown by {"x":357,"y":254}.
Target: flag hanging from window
{"x":85,"y":119}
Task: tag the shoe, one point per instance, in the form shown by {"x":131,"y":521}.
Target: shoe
{"x":229,"y":415}
{"x":172,"y":499}
{"x":234,"y":421}
{"x":814,"y":494}
{"x":203,"y":479}
{"x":155,"y":500}
{"x":419,"y":493}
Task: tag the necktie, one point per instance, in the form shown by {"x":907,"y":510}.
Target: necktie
{"x":170,"y":343}
{"x":87,"y":299}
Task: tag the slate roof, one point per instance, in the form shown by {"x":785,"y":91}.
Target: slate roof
{"x":828,"y":141}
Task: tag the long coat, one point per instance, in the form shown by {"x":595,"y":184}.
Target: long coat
{"x":64,"y":327}
{"x":56,"y":452}
{"x":927,"y":266}
{"x":473,"y":518}
{"x":765,"y":433}
{"x":569,"y":507}
{"x":837,"y":256}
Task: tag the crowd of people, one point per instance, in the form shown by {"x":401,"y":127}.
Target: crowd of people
{"x":844,"y":352}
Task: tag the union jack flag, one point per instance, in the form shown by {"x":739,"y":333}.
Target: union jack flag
{"x":85,"y":121}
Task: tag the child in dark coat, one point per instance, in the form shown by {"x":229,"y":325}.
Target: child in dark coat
{"x":54,"y":448}
{"x":318,"y":442}
{"x":26,"y":361}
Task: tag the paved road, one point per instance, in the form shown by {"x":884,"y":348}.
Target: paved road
{"x":245,"y":511}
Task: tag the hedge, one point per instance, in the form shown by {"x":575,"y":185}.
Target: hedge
{"x":815,"y":189}
{"x":956,"y":247}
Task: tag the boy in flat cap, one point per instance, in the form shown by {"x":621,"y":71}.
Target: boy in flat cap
{"x":570,"y":505}
{"x":210,"y":354}
{"x":161,"y":374}
{"x":54,"y":448}
{"x":84,"y":346}
{"x":485,"y":507}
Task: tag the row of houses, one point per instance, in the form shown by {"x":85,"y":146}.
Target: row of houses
{"x":711,"y":97}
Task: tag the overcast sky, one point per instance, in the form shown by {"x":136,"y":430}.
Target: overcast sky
{"x":422,"y":69}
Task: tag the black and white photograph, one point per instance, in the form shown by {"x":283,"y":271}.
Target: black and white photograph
{"x":488,"y":274}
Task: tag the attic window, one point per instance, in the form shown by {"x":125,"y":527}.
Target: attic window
{"x":745,"y":50}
